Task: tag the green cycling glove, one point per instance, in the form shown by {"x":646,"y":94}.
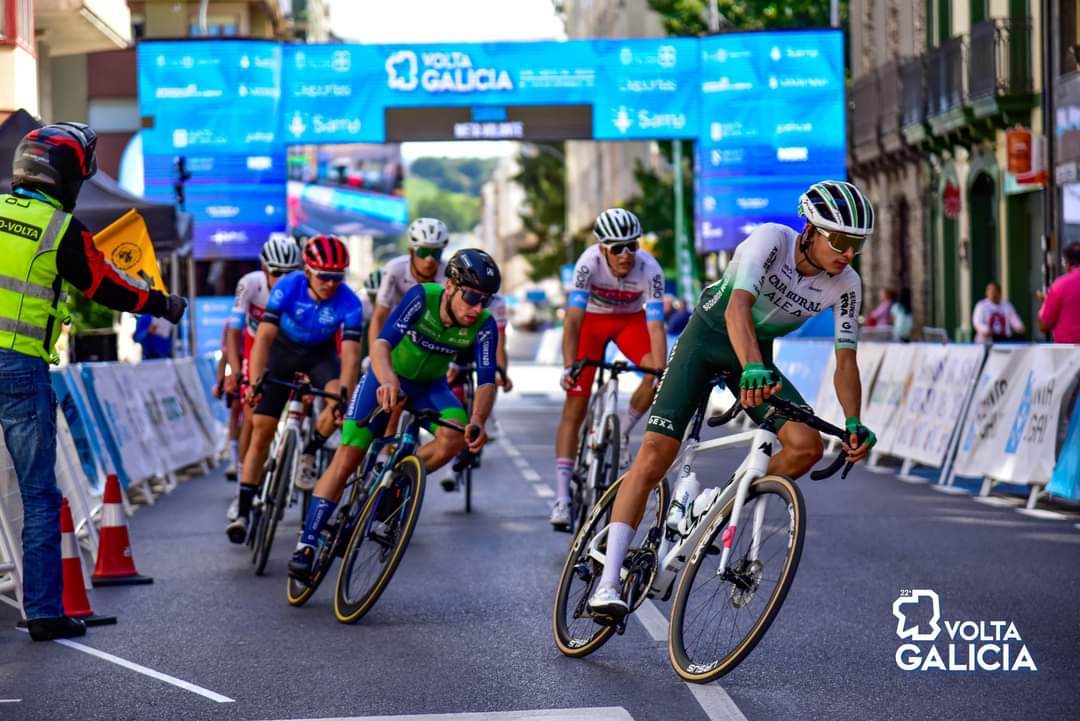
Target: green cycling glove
{"x":755,"y":375}
{"x":855,"y":426}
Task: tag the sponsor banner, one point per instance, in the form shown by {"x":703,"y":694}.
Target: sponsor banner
{"x":869,"y":358}
{"x":802,"y":362}
{"x":120,"y":412}
{"x":194,"y":393}
{"x":84,"y":435}
{"x":181,"y":442}
{"x":888,"y":393}
{"x":1010,"y":431}
{"x":941,"y":381}
{"x":1066,"y":479}
{"x":206,"y":366}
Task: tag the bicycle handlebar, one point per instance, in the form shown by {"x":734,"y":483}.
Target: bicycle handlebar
{"x":616,"y":368}
{"x":426,"y":415}
{"x":303,"y":389}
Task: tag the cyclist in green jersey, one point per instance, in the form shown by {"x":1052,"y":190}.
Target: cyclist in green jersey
{"x":777,"y":279}
{"x":410,"y":356}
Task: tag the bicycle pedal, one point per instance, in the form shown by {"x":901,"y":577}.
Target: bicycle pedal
{"x":620,"y":627}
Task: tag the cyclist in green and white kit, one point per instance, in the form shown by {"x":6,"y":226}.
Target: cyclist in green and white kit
{"x":777,"y":280}
{"x":411,"y":354}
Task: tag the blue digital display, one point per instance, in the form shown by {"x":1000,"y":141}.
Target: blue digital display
{"x":772,"y":123}
{"x":767,"y":110}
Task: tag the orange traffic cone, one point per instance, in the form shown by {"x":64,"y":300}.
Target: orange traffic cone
{"x":76,"y":602}
{"x":115,"y":565}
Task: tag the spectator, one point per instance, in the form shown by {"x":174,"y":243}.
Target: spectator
{"x":881,"y":315}
{"x":678,"y":319}
{"x":155,"y":336}
{"x":995,"y":319}
{"x":900,"y":316}
{"x":1060,"y":312}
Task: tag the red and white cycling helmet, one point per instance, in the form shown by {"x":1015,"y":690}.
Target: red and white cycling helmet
{"x":327,"y":253}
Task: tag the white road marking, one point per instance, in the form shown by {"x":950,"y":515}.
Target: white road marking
{"x":530,"y":475}
{"x":543,"y":490}
{"x":653,"y":620}
{"x":521,"y":462}
{"x":715,"y":702}
{"x":998,"y":501}
{"x":952,"y":490}
{"x":609,"y":713}
{"x":10,"y":700}
{"x":206,"y":693}
{"x":511,"y":451}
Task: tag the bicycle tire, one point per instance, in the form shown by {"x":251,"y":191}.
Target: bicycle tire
{"x":704,"y":669}
{"x":566,"y":640}
{"x":467,"y":475}
{"x":349,"y":609}
{"x":277,"y":496}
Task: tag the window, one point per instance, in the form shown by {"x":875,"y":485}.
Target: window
{"x":17,"y":22}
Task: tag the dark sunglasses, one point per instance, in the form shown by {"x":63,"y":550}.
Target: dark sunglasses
{"x":475,"y":297}
{"x":330,"y":276}
{"x":841,"y":242}
{"x":277,"y":272}
{"x":425,"y":253}
{"x":620,"y":248}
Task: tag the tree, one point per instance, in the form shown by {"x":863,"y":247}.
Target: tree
{"x":689,"y":17}
{"x":543,"y":176}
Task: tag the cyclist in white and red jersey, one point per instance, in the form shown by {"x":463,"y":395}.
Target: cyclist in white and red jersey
{"x":279,"y":255}
{"x":617,"y":295}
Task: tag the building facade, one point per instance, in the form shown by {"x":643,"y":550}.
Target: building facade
{"x":935,"y":87}
{"x":601,"y":174}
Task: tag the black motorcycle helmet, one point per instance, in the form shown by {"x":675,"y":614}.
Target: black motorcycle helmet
{"x":56,"y":159}
{"x":472,"y":268}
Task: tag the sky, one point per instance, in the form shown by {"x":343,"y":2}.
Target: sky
{"x":440,"y":21}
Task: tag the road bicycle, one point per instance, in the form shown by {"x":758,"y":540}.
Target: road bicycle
{"x":465,"y":462}
{"x":276,"y":490}
{"x":392,"y":492}
{"x":740,"y":546}
{"x":599,"y":441}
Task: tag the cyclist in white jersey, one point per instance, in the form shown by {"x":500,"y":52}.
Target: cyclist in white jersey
{"x":279,"y":255}
{"x":777,"y":280}
{"x":617,"y":295}
{"x":428,"y":238}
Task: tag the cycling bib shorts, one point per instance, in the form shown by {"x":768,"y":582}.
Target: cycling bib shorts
{"x":628,"y":331}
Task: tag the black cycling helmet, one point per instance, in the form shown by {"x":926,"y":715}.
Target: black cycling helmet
{"x":56,"y":159}
{"x":472,"y":268}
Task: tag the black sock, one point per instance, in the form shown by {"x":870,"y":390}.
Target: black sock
{"x":316,"y":442}
{"x":247,"y":495}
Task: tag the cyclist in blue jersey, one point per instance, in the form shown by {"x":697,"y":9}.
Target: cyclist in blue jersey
{"x":432,"y":324}
{"x":298,"y":333}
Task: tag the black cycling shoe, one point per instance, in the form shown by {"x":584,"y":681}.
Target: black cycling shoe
{"x":300,"y":563}
{"x":449,"y":484}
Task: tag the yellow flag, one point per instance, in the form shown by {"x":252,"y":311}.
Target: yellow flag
{"x":126,"y":244}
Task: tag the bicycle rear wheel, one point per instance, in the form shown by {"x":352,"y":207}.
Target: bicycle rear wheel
{"x":379,"y":540}
{"x":466,"y":481}
{"x":576,"y":632}
{"x":719,"y":615}
{"x":274,"y":508}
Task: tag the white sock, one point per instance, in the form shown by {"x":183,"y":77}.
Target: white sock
{"x":619,"y":537}
{"x":234,"y":453}
{"x":564,"y":469}
{"x":630,"y":419}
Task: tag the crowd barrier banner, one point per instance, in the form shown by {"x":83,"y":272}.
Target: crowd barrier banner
{"x":84,"y":435}
{"x":172,"y":417}
{"x":801,"y":362}
{"x":940,"y":386}
{"x":194,"y":392}
{"x":550,"y":347}
{"x":1011,"y":428}
{"x":881,"y":414}
{"x":828,"y":406}
{"x":1066,"y":479}
{"x":206,"y":365}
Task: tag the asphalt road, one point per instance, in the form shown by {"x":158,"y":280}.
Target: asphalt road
{"x":464,"y":627}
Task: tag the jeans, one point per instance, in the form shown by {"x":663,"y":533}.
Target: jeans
{"x":28,"y":417}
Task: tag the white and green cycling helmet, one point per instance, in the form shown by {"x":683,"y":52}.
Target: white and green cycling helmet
{"x":280,"y":253}
{"x":834,"y":205}
{"x":428,"y":233}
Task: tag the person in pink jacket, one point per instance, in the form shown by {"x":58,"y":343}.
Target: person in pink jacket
{"x":1060,"y":312}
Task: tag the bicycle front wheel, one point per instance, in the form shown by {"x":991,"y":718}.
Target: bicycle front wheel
{"x":720,"y":614}
{"x":576,"y":632}
{"x":274,"y":509}
{"x":379,"y":540}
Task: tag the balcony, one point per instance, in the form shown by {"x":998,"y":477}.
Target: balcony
{"x":945,"y":78}
{"x":76,"y":27}
{"x":865,"y":115}
{"x":913,"y":109}
{"x":999,"y":68}
{"x":890,"y":104}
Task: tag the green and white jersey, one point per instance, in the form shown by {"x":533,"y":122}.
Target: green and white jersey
{"x":764,"y":265}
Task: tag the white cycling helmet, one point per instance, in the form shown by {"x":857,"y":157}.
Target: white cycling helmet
{"x":373,"y":281}
{"x":428,"y":233}
{"x":839,"y":206}
{"x":280,"y":253}
{"x":616,"y":225}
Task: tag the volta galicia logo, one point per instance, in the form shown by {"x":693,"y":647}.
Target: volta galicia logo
{"x":442,"y":72}
{"x":964,"y":646}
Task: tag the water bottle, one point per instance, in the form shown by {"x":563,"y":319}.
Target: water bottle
{"x":686,"y":490}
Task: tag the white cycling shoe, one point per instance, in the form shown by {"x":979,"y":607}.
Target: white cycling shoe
{"x":234,"y":509}
{"x":607,"y":602}
{"x":560,"y":516}
{"x":306,"y":479}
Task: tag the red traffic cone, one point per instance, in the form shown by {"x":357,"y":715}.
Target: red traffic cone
{"x":115,"y":564}
{"x":76,"y":602}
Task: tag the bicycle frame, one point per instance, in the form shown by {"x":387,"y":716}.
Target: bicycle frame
{"x":290,"y":425}
{"x":604,"y":403}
